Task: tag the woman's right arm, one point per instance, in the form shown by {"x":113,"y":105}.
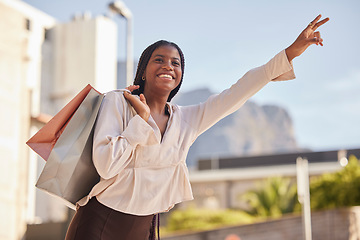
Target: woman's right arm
{"x":114,"y":141}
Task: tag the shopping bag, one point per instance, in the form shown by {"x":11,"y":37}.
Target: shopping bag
{"x":65,"y":142}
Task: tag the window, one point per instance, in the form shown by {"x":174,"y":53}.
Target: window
{"x":28,"y":24}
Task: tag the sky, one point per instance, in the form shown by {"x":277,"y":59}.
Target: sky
{"x":222,"y":40}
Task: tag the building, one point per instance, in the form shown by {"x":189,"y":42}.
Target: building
{"x":21,"y":41}
{"x":219,"y":182}
{"x":43,"y":64}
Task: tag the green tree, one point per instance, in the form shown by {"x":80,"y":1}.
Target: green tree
{"x":337,"y":189}
{"x":272,"y":198}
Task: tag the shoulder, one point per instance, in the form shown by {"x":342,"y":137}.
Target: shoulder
{"x":116,"y":99}
{"x":176,"y":109}
{"x":186,"y":112}
{"x":115,"y":94}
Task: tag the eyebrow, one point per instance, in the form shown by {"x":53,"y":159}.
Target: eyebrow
{"x":159,"y":55}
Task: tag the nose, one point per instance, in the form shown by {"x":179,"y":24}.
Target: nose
{"x":168,"y":66}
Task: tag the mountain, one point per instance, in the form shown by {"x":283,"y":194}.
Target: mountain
{"x":252,"y":130}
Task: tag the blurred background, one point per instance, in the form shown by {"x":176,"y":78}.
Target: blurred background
{"x":49,"y":51}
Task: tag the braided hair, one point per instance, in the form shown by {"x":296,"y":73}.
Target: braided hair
{"x":143,"y":62}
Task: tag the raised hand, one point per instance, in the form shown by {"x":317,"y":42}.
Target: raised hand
{"x":139,"y":104}
{"x":306,"y":38}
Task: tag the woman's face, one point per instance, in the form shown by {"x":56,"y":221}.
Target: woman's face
{"x":163,"y":72}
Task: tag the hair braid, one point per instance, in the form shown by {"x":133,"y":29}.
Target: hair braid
{"x":143,"y":62}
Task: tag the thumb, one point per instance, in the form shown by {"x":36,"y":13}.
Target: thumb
{"x":142,"y":98}
{"x":315,"y":40}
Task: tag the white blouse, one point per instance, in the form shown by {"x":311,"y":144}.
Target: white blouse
{"x":142,"y":174}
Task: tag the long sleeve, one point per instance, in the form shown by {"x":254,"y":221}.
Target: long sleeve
{"x":117,"y":134}
{"x":128,"y":152}
{"x":202,"y":116}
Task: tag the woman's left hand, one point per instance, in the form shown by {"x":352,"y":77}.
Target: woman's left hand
{"x":306,"y":38}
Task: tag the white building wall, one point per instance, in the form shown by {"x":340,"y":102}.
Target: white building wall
{"x":105,"y":55}
{"x":84,"y":52}
{"x":20,"y":53}
{"x":40,"y":76}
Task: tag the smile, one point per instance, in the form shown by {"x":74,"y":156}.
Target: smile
{"x":165,"y":76}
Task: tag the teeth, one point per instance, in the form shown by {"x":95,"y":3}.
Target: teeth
{"x":165,"y":76}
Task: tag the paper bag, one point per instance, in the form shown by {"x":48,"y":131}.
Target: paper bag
{"x":66,"y":143}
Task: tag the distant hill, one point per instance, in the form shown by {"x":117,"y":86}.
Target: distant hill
{"x":253,"y":129}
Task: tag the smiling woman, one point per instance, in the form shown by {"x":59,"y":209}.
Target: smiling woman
{"x":163,"y":72}
{"x":144,"y":61}
{"x":141,"y":142}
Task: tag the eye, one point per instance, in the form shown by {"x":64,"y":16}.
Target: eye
{"x":158,"y":60}
{"x":176,"y":63}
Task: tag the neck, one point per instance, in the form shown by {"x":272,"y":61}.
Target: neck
{"x":156,"y":103}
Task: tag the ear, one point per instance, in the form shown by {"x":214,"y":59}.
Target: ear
{"x":143,"y":77}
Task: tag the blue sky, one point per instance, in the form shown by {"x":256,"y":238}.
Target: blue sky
{"x":224,"y":39}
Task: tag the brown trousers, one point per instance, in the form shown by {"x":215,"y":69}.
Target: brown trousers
{"x":95,"y":221}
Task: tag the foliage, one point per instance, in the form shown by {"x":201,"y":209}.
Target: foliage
{"x":272,"y":198}
{"x":204,"y":219}
{"x":337,"y":189}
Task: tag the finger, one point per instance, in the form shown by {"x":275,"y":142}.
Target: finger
{"x":316,"y":19}
{"x":132,"y":87}
{"x":320,"y":23}
{"x":317,"y":34}
{"x":313,"y":22}
{"x":319,"y":39}
{"x":133,"y":100}
{"x":315,"y":40}
{"x":142,"y":98}
{"x":129,"y":96}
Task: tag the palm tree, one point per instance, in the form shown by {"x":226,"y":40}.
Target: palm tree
{"x":272,"y":198}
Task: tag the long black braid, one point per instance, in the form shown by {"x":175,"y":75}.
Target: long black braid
{"x":143,"y":62}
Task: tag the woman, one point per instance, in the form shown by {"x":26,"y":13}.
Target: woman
{"x":141,"y":142}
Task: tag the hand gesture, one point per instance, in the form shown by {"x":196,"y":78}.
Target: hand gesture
{"x":306,"y":38}
{"x":139,"y":104}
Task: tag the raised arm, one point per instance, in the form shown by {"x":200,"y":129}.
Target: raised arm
{"x":203,"y":116}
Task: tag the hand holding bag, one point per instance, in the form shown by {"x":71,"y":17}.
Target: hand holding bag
{"x":66,"y":143}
